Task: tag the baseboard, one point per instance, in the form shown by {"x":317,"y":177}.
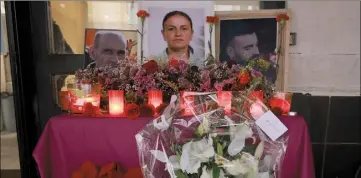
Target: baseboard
{"x":327,"y":90}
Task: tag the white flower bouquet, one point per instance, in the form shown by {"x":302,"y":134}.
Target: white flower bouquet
{"x":210,"y":144}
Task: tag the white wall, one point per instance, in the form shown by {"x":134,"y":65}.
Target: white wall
{"x":326,"y":58}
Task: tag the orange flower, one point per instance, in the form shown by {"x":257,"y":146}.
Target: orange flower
{"x":132,"y":111}
{"x":134,"y":173}
{"x":174,"y":63}
{"x":282,"y":18}
{"x":142,"y":14}
{"x":212,"y":19}
{"x":110,"y":170}
{"x":244,"y":77}
{"x":131,"y":43}
{"x":151,"y":66}
{"x":88,"y":169}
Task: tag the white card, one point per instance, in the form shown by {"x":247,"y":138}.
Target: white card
{"x":271,"y":125}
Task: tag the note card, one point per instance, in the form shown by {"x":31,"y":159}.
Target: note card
{"x":271,"y":125}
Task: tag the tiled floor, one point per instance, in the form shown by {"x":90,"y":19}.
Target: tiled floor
{"x":9,"y":151}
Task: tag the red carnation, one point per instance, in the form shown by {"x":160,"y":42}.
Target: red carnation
{"x":142,"y":14}
{"x":282,"y":17}
{"x":151,"y":66}
{"x":174,"y":63}
{"x":244,"y":77}
{"x":212,"y":19}
{"x":132,"y":111}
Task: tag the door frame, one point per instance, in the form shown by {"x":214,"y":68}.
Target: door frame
{"x":32,"y":68}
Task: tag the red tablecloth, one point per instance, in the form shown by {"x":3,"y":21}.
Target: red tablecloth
{"x":68,"y":141}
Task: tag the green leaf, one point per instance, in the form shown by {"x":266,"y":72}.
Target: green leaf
{"x":180,"y":174}
{"x":216,"y":171}
{"x":219,"y":149}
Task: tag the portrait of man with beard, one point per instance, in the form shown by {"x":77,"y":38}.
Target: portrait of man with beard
{"x":244,"y":40}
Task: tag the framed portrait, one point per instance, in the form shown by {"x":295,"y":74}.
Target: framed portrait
{"x":248,"y":35}
{"x":157,"y":43}
{"x":112,"y":44}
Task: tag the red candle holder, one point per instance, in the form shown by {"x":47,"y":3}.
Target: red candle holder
{"x":155,"y":98}
{"x":225,"y":100}
{"x":187,"y":103}
{"x":116,"y":102}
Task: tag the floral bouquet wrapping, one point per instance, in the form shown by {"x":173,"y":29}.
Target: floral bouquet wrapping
{"x":210,"y":144}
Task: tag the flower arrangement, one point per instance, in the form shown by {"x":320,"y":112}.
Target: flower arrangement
{"x":210,"y":144}
{"x":176,"y":76}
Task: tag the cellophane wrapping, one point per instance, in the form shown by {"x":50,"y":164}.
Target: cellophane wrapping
{"x":211,"y":141}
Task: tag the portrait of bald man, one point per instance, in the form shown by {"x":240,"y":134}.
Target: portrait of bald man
{"x":108,"y":48}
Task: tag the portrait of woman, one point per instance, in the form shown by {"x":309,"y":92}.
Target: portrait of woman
{"x":177,"y":36}
{"x":178,"y":32}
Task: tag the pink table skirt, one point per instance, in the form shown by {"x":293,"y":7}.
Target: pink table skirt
{"x":68,"y":141}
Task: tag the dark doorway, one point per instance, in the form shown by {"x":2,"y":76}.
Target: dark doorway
{"x":33,"y":67}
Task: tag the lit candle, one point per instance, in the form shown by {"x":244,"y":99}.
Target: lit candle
{"x":116,"y":102}
{"x":225,"y":100}
{"x":256,"y":95}
{"x":257,"y":110}
{"x":186,"y":103}
{"x":155,"y":98}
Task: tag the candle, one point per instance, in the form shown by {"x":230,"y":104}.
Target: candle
{"x":116,"y":102}
{"x":225,"y":100}
{"x":155,"y":98}
{"x":256,"y":95}
{"x":186,"y":103}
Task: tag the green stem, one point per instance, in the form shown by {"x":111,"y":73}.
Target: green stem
{"x":141,"y":42}
{"x":210,"y":38}
{"x":279,"y":48}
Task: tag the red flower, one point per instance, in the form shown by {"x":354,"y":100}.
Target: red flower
{"x":146,"y":110}
{"x":282,"y":17}
{"x":212,"y":19}
{"x":132,"y":111}
{"x":151,"y":66}
{"x":142,"y":14}
{"x":244,"y":77}
{"x":174,"y":63}
{"x":89,"y":109}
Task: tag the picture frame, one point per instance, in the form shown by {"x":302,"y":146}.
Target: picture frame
{"x":206,"y":6}
{"x":281,"y":82}
{"x":89,"y":39}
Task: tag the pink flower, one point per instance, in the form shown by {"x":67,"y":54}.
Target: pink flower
{"x":206,"y":86}
{"x":108,"y":81}
{"x":219,"y":86}
{"x":229,"y":81}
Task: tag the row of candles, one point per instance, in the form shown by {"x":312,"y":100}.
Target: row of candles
{"x":155,"y":99}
